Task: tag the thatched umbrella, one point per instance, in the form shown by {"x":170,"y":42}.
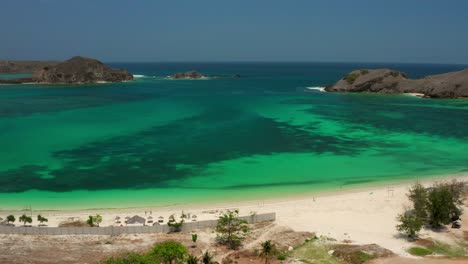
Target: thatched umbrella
{"x":150,"y":219}
{"x":194,"y":217}
{"x":161,"y":219}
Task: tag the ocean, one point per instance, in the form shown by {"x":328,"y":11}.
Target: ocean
{"x":158,"y":142}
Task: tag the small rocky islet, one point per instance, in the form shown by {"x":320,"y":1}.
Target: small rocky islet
{"x":197,"y":75}
{"x":446,"y":85}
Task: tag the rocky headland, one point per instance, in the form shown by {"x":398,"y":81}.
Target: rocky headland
{"x":12,"y":67}
{"x":446,"y":85}
{"x":74,"y":71}
{"x":197,"y":75}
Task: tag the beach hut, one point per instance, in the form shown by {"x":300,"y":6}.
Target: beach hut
{"x":161,"y":219}
{"x":150,"y":219}
{"x":136,"y":221}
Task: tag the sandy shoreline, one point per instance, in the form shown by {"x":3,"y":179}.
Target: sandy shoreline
{"x":362,"y":215}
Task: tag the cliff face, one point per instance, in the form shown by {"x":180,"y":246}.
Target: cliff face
{"x":447,"y":85}
{"x":81,"y":70}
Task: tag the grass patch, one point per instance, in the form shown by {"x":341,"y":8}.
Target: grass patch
{"x":451,"y":251}
{"x":315,"y":252}
{"x":363,"y":257}
{"x":440,"y":248}
{"x":419,"y":251}
{"x":351,"y":77}
{"x":364,"y":71}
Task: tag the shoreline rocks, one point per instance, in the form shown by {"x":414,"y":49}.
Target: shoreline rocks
{"x":446,"y":85}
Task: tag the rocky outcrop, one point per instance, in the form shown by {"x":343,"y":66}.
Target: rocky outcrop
{"x":81,"y":70}
{"x":11,"y":67}
{"x":187,"y":75}
{"x":447,"y":85}
{"x":75,"y":70}
{"x":197,"y":75}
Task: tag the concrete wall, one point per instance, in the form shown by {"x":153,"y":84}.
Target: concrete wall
{"x":117,"y":230}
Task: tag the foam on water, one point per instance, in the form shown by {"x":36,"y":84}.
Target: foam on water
{"x":318,"y":88}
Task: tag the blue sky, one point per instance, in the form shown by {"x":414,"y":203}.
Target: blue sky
{"x":423,"y":31}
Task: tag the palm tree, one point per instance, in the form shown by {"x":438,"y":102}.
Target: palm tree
{"x":207,"y":258}
{"x":267,"y":251}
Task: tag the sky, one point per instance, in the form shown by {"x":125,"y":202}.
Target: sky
{"x":408,"y":31}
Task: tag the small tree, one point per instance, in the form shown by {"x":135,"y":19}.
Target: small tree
{"x":231,"y":229}
{"x":98,"y":219}
{"x":25,"y":219}
{"x":169,"y":252}
{"x":444,"y":202}
{"x":42,"y":219}
{"x":94,"y":220}
{"x":410,"y":223}
{"x":174,"y":225}
{"x":192,"y":260}
{"x":418,"y":195}
{"x":207,"y":258}
{"x":267,"y":251}
{"x":90,"y":220}
{"x":11,"y":219}
{"x":194,"y":238}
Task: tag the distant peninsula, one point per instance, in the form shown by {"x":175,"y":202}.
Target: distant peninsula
{"x":73,"y":71}
{"x":13,"y":67}
{"x":446,"y":85}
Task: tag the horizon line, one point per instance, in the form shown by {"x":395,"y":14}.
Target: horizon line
{"x":248,"y":61}
{"x":286,"y":61}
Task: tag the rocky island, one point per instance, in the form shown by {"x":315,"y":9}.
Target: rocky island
{"x":74,"y":71}
{"x":197,"y":75}
{"x":446,"y":85}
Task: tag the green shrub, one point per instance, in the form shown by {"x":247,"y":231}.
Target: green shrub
{"x":410,"y":223}
{"x":364,"y":71}
{"x":169,"y":252}
{"x":129,"y":258}
{"x":351,"y":77}
{"x":282,"y":256}
{"x":419,"y":251}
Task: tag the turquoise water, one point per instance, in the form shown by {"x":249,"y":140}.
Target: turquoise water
{"x":159,"y":142}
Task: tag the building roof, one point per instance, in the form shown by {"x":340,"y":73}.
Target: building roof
{"x":136,"y":220}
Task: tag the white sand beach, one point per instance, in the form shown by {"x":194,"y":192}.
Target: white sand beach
{"x":363,"y":216}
